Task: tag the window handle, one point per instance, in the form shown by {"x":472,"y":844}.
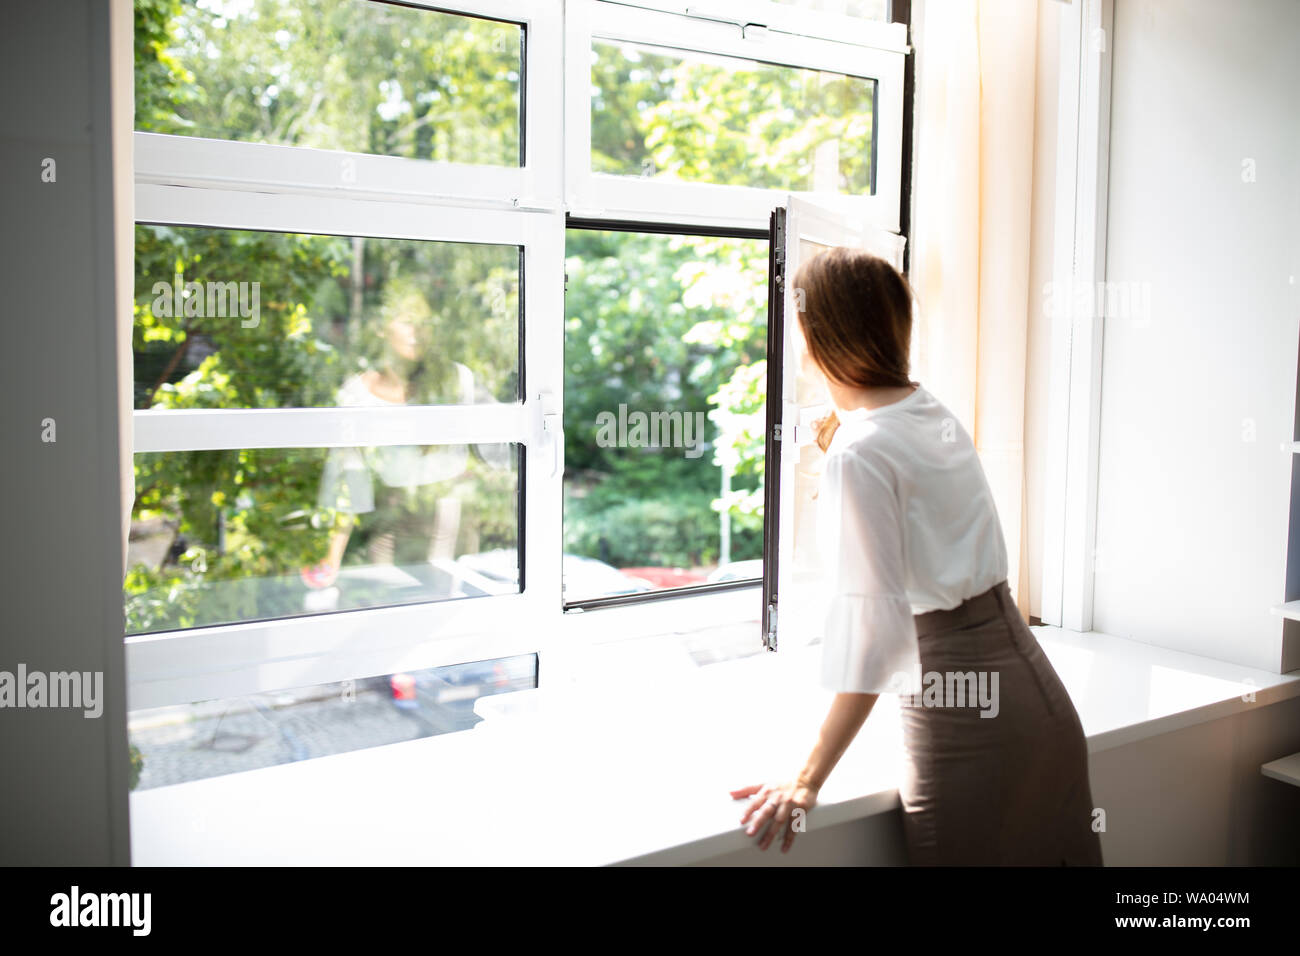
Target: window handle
{"x":553,"y":435}
{"x":548,"y":429}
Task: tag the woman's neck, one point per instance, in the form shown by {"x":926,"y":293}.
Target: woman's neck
{"x":847,"y":397}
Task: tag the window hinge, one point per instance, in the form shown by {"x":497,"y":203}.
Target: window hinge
{"x":769,"y":639}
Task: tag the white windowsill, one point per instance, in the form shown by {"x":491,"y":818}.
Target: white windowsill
{"x":633,"y":767}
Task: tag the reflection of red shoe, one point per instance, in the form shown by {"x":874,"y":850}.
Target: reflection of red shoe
{"x":320,"y":575}
{"x":668,"y":577}
{"x":403,"y":687}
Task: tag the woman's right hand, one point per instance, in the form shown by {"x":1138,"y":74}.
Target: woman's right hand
{"x":320,"y":575}
{"x":780,"y":808}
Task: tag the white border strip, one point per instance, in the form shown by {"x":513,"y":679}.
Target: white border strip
{"x":786,"y":18}
{"x":1074,"y":412}
{"x":173,"y":430}
{"x":325,"y":215}
{"x":234,"y":660}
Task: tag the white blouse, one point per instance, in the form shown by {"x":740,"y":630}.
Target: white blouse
{"x":347,"y":480}
{"x":905,"y":524}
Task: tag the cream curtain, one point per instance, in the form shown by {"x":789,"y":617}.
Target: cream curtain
{"x":974,"y":138}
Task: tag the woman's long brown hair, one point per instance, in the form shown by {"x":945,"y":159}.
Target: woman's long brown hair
{"x":856,"y":314}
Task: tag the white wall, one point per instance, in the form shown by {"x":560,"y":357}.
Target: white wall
{"x":1197,"y":797}
{"x":1198,"y":398}
{"x":63,"y":777}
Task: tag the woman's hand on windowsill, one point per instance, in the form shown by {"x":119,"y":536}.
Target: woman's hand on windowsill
{"x":779,"y":809}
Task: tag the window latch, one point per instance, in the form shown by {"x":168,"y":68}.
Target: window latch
{"x":548,"y":429}
{"x":749,"y":30}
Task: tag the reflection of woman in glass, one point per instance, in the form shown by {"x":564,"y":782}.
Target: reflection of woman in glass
{"x":414,"y":509}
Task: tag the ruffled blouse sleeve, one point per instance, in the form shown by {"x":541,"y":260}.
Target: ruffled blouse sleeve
{"x":346,"y":483}
{"x":869,"y":641}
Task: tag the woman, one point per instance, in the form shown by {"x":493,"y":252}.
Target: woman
{"x":415,"y":511}
{"x":916,"y":567}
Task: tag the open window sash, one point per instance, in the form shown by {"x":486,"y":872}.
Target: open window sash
{"x":797,"y":398}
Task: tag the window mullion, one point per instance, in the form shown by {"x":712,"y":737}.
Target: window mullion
{"x":175,"y":430}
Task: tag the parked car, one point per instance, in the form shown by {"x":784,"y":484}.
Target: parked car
{"x":442,"y":698}
{"x":668,"y":577}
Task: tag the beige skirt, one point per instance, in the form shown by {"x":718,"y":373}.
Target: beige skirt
{"x":997,"y":762}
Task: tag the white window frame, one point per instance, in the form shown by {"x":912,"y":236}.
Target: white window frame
{"x":537,"y":184}
{"x":1074,"y":399}
{"x":828,"y":226}
{"x":193,"y":181}
{"x":228,"y":660}
{"x":881,"y":57}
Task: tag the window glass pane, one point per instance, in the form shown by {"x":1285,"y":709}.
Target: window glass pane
{"x":664,"y":114}
{"x":219,"y":537}
{"x":664,"y":391}
{"x":228,"y":318}
{"x":365,"y":77}
{"x":211,"y":738}
{"x":804,"y":575}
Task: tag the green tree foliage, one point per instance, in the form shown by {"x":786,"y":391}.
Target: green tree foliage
{"x":657,"y":323}
{"x":252,"y":513}
{"x":362,"y":77}
{"x":651,"y":322}
{"x":728,"y":121}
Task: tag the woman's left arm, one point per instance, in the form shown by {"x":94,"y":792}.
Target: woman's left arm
{"x":868,"y":639}
{"x":773,"y":808}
